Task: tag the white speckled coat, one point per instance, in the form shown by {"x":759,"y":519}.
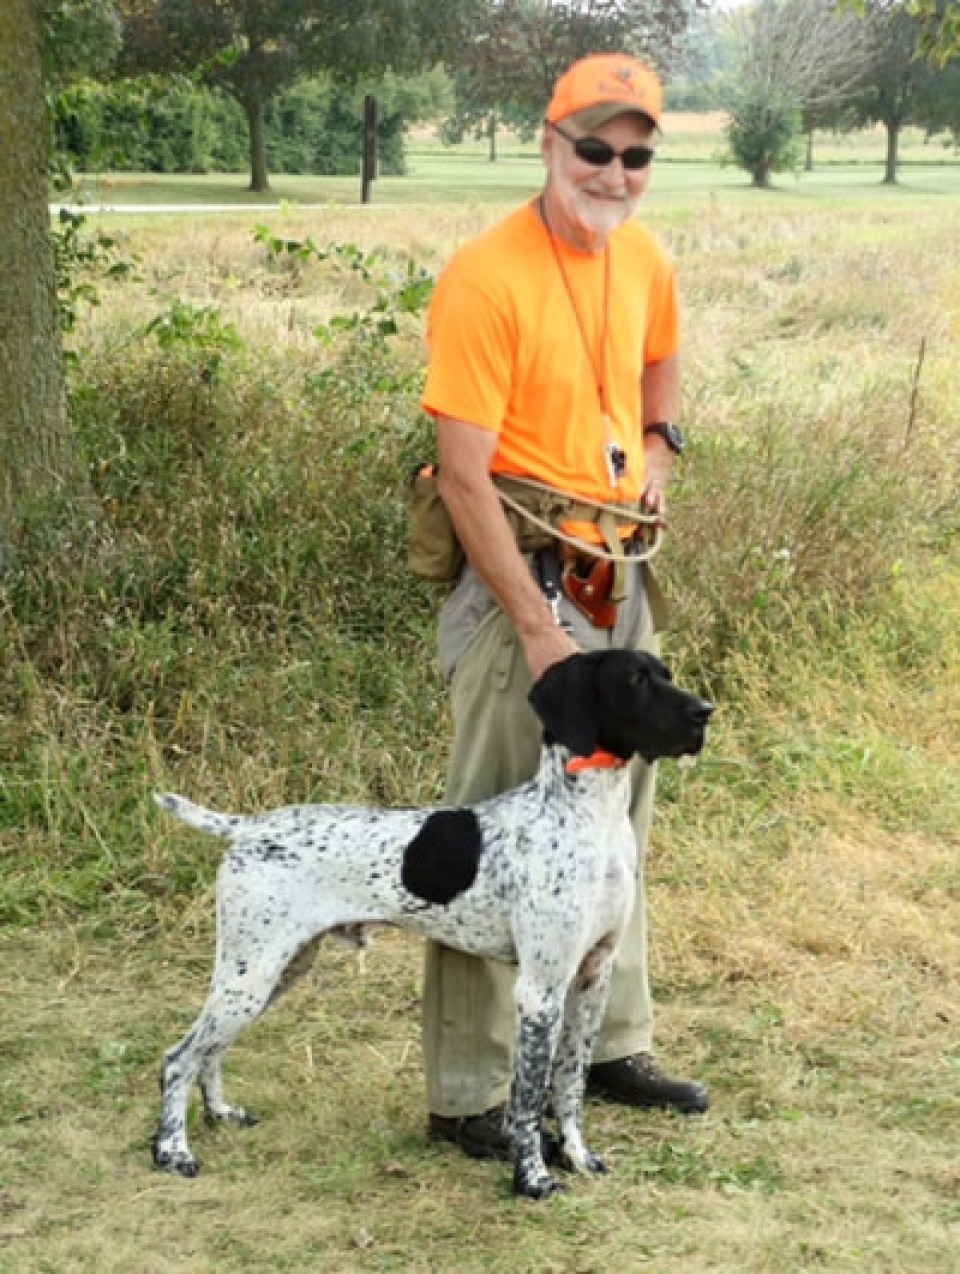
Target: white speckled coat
{"x":542,"y":877}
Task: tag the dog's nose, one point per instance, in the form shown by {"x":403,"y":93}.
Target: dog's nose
{"x":701,"y":712}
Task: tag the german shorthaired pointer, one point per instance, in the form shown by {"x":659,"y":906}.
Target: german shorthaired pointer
{"x":542,"y":876}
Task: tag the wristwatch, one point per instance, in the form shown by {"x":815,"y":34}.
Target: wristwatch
{"x":670,"y":434}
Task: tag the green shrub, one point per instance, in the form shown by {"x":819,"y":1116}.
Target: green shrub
{"x":765,"y":134}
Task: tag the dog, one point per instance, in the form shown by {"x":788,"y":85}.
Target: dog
{"x":542,"y":877}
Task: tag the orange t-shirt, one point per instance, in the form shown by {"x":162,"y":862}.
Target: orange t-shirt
{"x":507,"y":352}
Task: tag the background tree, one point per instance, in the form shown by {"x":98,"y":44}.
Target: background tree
{"x":939,"y":29}
{"x":938,"y":25}
{"x":937,"y":103}
{"x":149,"y":125}
{"x":902,"y":87}
{"x":478,"y":111}
{"x":256,"y":48}
{"x":506,"y":67}
{"x":701,"y":61}
{"x":786,"y":57}
{"x":838,"y":117}
{"x":41,"y":478}
{"x":173,"y":125}
{"x":82,"y":40}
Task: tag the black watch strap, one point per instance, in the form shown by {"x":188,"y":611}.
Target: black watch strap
{"x":670,"y":434}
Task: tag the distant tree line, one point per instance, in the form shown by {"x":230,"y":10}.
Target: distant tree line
{"x":166,"y":83}
{"x":174,"y":125}
{"x":790,"y":67}
{"x":212,"y":85}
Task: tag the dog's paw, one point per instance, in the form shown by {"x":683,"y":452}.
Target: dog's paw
{"x":230,"y":1115}
{"x":179,"y":1162}
{"x":535,"y":1182}
{"x":584,"y":1162}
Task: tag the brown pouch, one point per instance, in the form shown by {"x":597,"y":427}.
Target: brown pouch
{"x":590,"y":590}
{"x":433,"y":553}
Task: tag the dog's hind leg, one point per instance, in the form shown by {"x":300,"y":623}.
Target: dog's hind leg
{"x":583,"y":1014}
{"x":210,"y":1077}
{"x":225,"y":1014}
{"x":241,"y":990}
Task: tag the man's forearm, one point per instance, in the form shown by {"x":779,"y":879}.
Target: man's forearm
{"x":482,"y":528}
{"x":660,"y":390}
{"x":492,"y":551}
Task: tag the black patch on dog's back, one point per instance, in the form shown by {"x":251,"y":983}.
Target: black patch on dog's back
{"x":441,"y":861}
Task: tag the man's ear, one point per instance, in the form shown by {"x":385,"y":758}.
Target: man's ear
{"x":565,"y":701}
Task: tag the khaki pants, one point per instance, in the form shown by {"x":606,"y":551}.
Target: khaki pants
{"x":469,"y":1019}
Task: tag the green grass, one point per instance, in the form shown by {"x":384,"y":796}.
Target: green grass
{"x":453,"y":180}
{"x":242,"y":627}
{"x":689,"y":167}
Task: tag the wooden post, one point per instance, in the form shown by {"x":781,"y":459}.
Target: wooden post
{"x":369,"y":147}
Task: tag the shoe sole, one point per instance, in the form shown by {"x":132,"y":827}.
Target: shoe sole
{"x":682,"y":1108}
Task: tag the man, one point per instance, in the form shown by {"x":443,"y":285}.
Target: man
{"x":553,"y":356}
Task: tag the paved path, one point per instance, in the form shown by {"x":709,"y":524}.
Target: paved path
{"x":87,"y":208}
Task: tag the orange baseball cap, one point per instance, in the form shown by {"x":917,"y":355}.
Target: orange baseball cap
{"x":605,"y":85}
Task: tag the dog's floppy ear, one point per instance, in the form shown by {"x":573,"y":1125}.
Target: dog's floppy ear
{"x":565,"y":701}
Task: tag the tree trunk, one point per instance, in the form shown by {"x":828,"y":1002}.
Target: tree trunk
{"x":492,"y":137}
{"x":893,"y":154}
{"x":808,"y":162}
{"x":762,"y":173}
{"x":259,"y":178}
{"x":40,"y":475}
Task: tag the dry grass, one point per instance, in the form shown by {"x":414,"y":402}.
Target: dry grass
{"x":804,"y":880}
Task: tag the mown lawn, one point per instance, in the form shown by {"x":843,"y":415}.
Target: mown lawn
{"x":690,"y":166}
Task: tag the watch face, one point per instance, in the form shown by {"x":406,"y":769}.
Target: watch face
{"x":674,"y":438}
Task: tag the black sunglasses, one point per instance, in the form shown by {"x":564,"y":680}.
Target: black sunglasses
{"x":592,"y":150}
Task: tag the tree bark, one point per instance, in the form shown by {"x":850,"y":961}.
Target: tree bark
{"x":762,"y":173}
{"x":893,"y":154}
{"x":39,"y":469}
{"x":259,"y":176}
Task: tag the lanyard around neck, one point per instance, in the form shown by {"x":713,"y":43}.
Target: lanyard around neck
{"x":599,"y":373}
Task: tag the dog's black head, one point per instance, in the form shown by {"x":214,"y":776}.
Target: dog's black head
{"x":620,"y":701}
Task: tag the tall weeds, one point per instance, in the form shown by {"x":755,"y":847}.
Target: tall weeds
{"x":241,"y":620}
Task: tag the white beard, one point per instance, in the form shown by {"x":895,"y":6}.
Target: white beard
{"x":596,"y":219}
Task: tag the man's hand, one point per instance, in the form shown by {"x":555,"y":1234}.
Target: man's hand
{"x":547,"y":647}
{"x":659,"y":462}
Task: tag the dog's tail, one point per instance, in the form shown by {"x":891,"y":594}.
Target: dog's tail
{"x":196,"y":816}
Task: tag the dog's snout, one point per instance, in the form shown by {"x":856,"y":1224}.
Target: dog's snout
{"x":701,"y":712}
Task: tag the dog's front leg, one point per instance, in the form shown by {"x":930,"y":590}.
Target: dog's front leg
{"x":538,"y":1029}
{"x":583,"y":1015}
